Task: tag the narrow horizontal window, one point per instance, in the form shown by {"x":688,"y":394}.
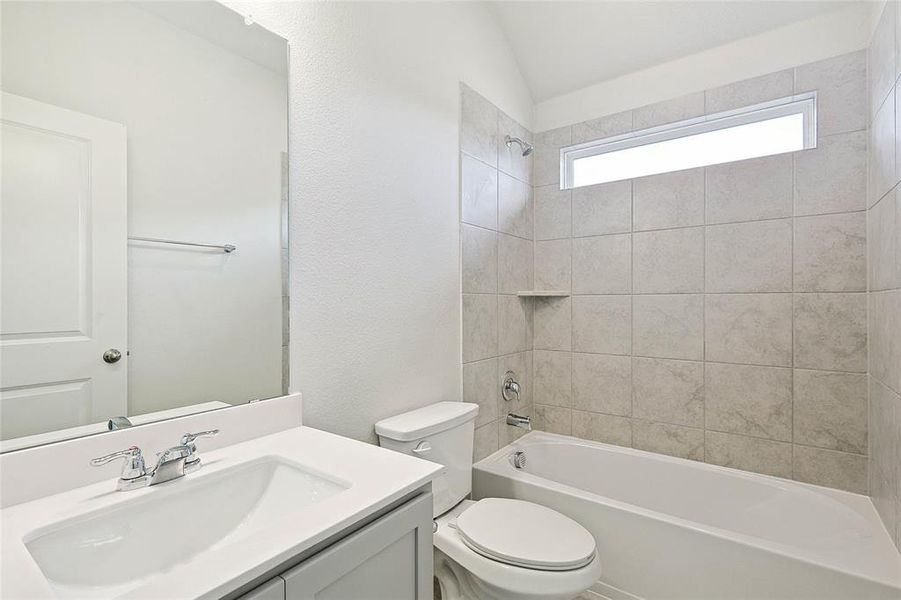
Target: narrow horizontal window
{"x":785,"y":125}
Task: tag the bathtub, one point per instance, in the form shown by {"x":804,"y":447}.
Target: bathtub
{"x":673,"y":528}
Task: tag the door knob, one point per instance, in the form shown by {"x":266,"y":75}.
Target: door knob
{"x":112,"y":356}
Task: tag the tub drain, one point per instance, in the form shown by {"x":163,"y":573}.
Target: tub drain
{"x":519,"y":459}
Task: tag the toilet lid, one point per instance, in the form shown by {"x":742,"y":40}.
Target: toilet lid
{"x":525,"y":534}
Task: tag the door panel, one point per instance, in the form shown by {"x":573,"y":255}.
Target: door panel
{"x":63,"y":260}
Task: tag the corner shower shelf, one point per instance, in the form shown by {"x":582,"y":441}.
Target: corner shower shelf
{"x":543,"y":294}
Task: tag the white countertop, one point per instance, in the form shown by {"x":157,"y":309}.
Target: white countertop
{"x":377,"y":478}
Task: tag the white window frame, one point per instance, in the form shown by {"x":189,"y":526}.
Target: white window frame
{"x":804,"y":104}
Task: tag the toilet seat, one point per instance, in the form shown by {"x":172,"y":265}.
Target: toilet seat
{"x":525,"y":534}
{"x":492,"y":578}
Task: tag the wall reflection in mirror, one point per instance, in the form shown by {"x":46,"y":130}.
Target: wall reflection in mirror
{"x":144,"y":205}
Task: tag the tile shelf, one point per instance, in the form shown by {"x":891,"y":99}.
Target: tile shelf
{"x":543,"y":294}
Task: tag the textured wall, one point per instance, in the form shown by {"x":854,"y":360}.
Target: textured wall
{"x":884,"y":255}
{"x":374,"y":141}
{"x":496,"y":243}
{"x":718,"y":314}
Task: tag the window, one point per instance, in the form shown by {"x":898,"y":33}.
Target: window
{"x":775,"y":127}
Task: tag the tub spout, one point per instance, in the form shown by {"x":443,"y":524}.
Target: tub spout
{"x":519,"y":421}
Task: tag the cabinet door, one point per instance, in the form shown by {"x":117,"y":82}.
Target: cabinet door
{"x":389,"y":559}
{"x":272,"y":590}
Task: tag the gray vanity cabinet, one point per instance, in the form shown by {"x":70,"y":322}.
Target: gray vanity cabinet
{"x":388,"y":559}
{"x":273,"y":590}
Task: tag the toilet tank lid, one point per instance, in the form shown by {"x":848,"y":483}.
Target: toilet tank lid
{"x":426,"y":421}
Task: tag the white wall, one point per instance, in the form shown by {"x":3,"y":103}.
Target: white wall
{"x":374,"y":144}
{"x":206,"y":129}
{"x":800,"y":43}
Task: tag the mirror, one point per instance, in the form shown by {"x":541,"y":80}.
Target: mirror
{"x":144,"y":205}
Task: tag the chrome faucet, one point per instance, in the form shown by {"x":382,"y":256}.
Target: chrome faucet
{"x":172,"y":463}
{"x":519,"y":421}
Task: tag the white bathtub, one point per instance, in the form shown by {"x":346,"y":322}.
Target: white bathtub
{"x":673,"y":528}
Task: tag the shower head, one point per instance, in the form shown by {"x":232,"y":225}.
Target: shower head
{"x":525,"y":146}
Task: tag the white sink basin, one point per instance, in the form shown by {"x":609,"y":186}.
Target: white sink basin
{"x":106,"y":552}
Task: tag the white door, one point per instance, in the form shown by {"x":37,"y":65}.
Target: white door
{"x":62,"y":268}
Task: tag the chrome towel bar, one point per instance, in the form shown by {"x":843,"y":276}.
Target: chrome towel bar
{"x":227,"y":248}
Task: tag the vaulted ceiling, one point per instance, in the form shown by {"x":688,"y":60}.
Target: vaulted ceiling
{"x":562,"y":46}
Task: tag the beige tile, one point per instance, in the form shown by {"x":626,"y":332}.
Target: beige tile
{"x":479,"y":326}
{"x":602,"y":324}
{"x":749,"y":454}
{"x":553,"y":378}
{"x":485,"y":442}
{"x":553,"y":324}
{"x":602,"y":209}
{"x":478,"y":193}
{"x":671,"y":261}
{"x":514,"y":316}
{"x":514,"y":207}
{"x":884,"y":500}
{"x":546,"y":157}
{"x":602,"y":428}
{"x":596,"y":129}
{"x":521,"y":365}
{"x":602,"y":265}
{"x":885,"y":342}
{"x":553,"y":265}
{"x":884,"y":240}
{"x":841,"y":86}
{"x":830,"y":253}
{"x":833,"y":176}
{"x":750,"y":91}
{"x":749,"y":190}
{"x":510,"y":159}
{"x":479,"y":260}
{"x":514,"y":264}
{"x":830,"y":410}
{"x":831,"y":332}
{"x":668,"y":326}
{"x":884,"y":440}
{"x":668,"y":111}
{"x":665,"y":438}
{"x":553,"y":213}
{"x":749,"y":400}
{"x":882,"y":58}
{"x":602,"y":383}
{"x":553,"y":419}
{"x":668,"y":391}
{"x":749,"y":328}
{"x":478,"y":127}
{"x":668,"y":200}
{"x":831,"y":469}
{"x":882,"y":152}
{"x":480,"y":387}
{"x":750,"y":257}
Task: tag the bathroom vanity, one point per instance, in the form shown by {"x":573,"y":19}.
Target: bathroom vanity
{"x":295,"y":514}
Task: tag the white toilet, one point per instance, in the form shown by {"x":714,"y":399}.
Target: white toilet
{"x":496,"y":548}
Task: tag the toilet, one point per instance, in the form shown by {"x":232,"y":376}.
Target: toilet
{"x":494,"y":548}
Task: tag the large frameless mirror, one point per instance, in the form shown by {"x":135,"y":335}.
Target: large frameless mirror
{"x":144,"y":205}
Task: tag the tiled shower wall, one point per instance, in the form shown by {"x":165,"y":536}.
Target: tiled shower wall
{"x":496,"y":250}
{"x":884,"y":256}
{"x":717,"y":314}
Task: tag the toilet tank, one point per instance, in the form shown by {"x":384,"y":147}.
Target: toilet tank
{"x":441,"y":433}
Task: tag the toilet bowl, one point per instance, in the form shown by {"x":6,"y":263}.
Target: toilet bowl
{"x":494,"y":548}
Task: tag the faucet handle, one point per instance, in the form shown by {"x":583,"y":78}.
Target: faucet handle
{"x":192,"y":461}
{"x":188,"y":438}
{"x":134,"y":462}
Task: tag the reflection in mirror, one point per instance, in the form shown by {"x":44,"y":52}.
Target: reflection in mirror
{"x":144,"y":205}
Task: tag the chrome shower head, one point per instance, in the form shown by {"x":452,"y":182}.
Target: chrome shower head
{"x":525,"y":146}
